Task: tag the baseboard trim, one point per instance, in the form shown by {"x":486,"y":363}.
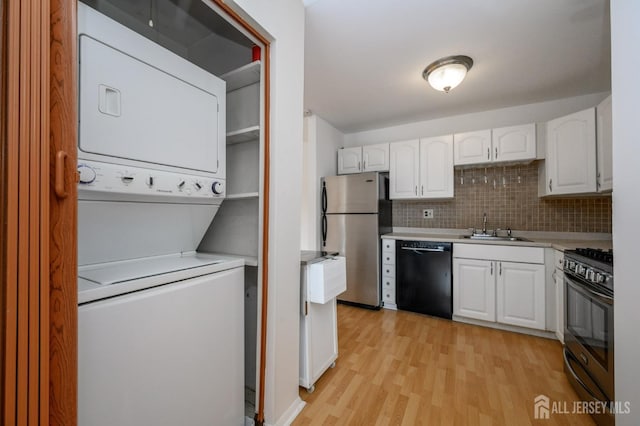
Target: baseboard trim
{"x":290,"y":414}
{"x":505,"y":327}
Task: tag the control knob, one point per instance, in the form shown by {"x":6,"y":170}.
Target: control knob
{"x":87,"y":173}
{"x":217,"y":187}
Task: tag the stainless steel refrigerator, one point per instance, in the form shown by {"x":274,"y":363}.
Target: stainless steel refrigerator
{"x":355,"y":211}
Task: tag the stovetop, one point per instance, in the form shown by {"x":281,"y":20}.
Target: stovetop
{"x":594,"y":266}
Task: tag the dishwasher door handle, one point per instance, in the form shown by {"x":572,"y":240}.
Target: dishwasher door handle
{"x":436,"y":250}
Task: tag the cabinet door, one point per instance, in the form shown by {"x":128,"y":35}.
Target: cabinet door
{"x":376,"y":158}
{"x":349,"y":160}
{"x":571,"y":154}
{"x":520,"y":294}
{"x":404,"y":169}
{"x":472,"y":147}
{"x":559,"y":281}
{"x":604,"y":143}
{"x":436,"y":167}
{"x":514,"y":143}
{"x":474,"y":289}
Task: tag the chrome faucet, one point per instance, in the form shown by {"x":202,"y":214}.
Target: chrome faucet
{"x":484,"y":223}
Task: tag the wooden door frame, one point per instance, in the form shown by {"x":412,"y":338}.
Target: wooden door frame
{"x":38,"y":195}
{"x":264,"y":278}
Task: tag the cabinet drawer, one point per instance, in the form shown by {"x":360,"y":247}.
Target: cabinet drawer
{"x":388,"y":283}
{"x":389,"y":246}
{"x":389,"y":271}
{"x":388,"y":259}
{"x":389,"y":295}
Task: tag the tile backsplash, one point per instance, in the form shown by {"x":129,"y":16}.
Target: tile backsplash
{"x":510,"y":199}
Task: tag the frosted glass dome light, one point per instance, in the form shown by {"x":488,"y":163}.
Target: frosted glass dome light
{"x":447,"y":73}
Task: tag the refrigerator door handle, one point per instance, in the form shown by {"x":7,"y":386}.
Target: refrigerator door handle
{"x":324,"y":230}
{"x":324,"y":197}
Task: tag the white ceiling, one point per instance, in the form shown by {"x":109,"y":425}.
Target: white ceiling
{"x":364,"y":58}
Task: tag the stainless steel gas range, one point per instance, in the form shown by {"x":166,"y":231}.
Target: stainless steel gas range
{"x":589,"y":345}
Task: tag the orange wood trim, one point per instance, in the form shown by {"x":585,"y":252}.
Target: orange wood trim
{"x":63,"y":302}
{"x":10,"y":370}
{"x":266,"y":60}
{"x":265,"y":235}
{"x":26,"y":206}
{"x":44,"y":185}
{"x":25,"y":216}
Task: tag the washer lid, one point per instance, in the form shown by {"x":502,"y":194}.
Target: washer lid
{"x":130,"y":270}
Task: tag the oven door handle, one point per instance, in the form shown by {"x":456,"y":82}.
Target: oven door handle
{"x":566,"y":354}
{"x":590,"y":292}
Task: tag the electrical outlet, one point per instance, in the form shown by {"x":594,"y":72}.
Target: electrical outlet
{"x":427,"y":214}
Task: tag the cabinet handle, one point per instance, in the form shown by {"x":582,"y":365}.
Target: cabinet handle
{"x":491,"y":268}
{"x":359,"y":169}
{"x":421,"y":189}
{"x":488,"y":153}
{"x":598,"y":181}
{"x":500,"y":273}
{"x":496,"y":152}
{"x":416,"y":189}
{"x":550,"y":180}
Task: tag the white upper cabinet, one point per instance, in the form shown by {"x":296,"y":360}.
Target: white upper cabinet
{"x":436,"y":167}
{"x":472,"y":147}
{"x":376,"y":157}
{"x":570,"y":164}
{"x":404,"y":169}
{"x":349,"y":160}
{"x":515,"y":143}
{"x":604,"y":143}
{"x":369,"y":158}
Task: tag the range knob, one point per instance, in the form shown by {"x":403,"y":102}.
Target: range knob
{"x":580,"y":270}
{"x":599,"y":278}
{"x":590,"y":275}
{"x":87,"y":173}
{"x":217,"y":187}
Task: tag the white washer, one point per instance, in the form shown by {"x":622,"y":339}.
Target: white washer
{"x":167,"y":347}
{"x":160,"y":326}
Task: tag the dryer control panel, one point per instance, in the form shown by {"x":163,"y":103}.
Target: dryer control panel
{"x":97,"y":177}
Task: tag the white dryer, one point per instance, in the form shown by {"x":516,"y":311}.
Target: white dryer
{"x":160,"y":326}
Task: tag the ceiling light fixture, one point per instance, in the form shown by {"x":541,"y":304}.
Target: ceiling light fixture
{"x":446,"y":73}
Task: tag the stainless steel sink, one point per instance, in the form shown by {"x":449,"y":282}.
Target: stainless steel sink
{"x":493,"y":238}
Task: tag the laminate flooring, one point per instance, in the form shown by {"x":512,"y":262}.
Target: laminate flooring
{"x":401,"y":368}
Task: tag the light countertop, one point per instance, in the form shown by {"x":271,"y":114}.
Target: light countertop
{"x":553,"y":240}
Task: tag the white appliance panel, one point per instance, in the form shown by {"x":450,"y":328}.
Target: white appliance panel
{"x":112,"y":231}
{"x":133,"y":110}
{"x":182,"y":363}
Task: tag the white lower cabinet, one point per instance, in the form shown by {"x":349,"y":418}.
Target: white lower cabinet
{"x":520,"y":294}
{"x":558,"y":276}
{"x":388,"y":276}
{"x":474,"y":289}
{"x":501,"y":284}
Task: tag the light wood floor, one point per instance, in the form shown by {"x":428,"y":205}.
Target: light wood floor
{"x":411,"y":369}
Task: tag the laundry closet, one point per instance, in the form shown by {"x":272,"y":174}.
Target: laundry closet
{"x":197,"y":32}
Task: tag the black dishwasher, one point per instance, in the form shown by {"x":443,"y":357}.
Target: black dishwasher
{"x":423,"y":277}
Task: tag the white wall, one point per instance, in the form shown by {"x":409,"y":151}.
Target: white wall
{"x":322,"y":141}
{"x":283,"y":22}
{"x":625,"y":61}
{"x":511,"y":116}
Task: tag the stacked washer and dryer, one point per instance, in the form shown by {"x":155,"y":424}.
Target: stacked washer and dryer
{"x":160,"y":326}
